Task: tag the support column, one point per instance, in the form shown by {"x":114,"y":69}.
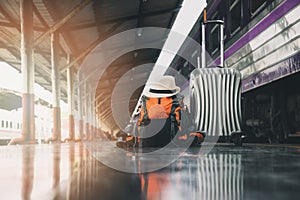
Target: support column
{"x":87,"y":110}
{"x":89,"y":114}
{"x":92,"y":116}
{"x":56,"y":136}
{"x":28,"y":155}
{"x":70,"y":80}
{"x":27,"y":69}
{"x":56,"y":165}
{"x":79,"y":102}
{"x":91,"y":120}
{"x":96,"y":120}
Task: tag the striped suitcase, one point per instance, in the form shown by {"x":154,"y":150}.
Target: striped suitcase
{"x":215,"y":100}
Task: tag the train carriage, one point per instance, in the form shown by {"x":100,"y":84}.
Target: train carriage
{"x":262,"y":42}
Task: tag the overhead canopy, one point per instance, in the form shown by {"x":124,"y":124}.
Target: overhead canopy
{"x":82,"y":25}
{"x":10,"y":100}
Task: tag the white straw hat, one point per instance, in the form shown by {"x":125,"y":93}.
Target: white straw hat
{"x":164,"y":87}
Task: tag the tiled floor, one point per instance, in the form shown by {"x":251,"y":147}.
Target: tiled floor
{"x":69,"y":171}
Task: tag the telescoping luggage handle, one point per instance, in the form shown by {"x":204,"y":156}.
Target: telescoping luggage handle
{"x":204,"y":23}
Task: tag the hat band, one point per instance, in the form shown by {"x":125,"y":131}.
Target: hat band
{"x":162,"y":91}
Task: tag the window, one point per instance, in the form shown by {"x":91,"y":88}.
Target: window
{"x":185,"y":69}
{"x":235,"y":10}
{"x":256,"y":5}
{"x":2,"y":124}
{"x":10,"y":125}
{"x":6,"y":124}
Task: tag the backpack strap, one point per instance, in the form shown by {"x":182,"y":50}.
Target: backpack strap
{"x":174,"y":121}
{"x":144,"y":102}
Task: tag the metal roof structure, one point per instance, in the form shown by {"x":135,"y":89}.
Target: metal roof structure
{"x":10,"y":100}
{"x":81,"y":26}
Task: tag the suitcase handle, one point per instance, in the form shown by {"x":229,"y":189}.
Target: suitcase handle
{"x":221,"y":23}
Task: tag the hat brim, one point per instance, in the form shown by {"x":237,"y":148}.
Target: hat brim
{"x":147,"y":93}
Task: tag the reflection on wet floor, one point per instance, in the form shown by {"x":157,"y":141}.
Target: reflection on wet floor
{"x":68,"y":171}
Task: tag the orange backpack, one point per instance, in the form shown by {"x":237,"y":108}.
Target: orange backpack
{"x":169,"y":111}
{"x":159,"y":108}
{"x":165,"y":112}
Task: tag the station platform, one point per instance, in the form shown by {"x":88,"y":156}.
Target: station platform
{"x":73,"y":171}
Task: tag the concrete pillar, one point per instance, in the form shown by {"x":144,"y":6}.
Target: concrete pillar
{"x":79,"y":103}
{"x":87,"y":124}
{"x":27,"y":69}
{"x":55,"y":86}
{"x":28,"y":155}
{"x":96,"y":119}
{"x":92,"y":116}
{"x":70,"y":80}
{"x":56,"y":165}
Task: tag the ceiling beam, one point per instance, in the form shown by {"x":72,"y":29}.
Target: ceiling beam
{"x":91,"y":47}
{"x":7,"y":36}
{"x":15,"y":52}
{"x":100,"y":102}
{"x":12,"y":25}
{"x":46,"y":26}
{"x":106,"y":115}
{"x":10,"y":18}
{"x":122,"y":19}
{"x":40,"y":17}
{"x":61,"y":22}
{"x":104,"y":112}
{"x":80,"y":26}
{"x":149,"y":14}
{"x":124,"y":64}
{"x":98,"y":97}
{"x":179,"y":2}
{"x":16,"y":44}
{"x":133,"y":63}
